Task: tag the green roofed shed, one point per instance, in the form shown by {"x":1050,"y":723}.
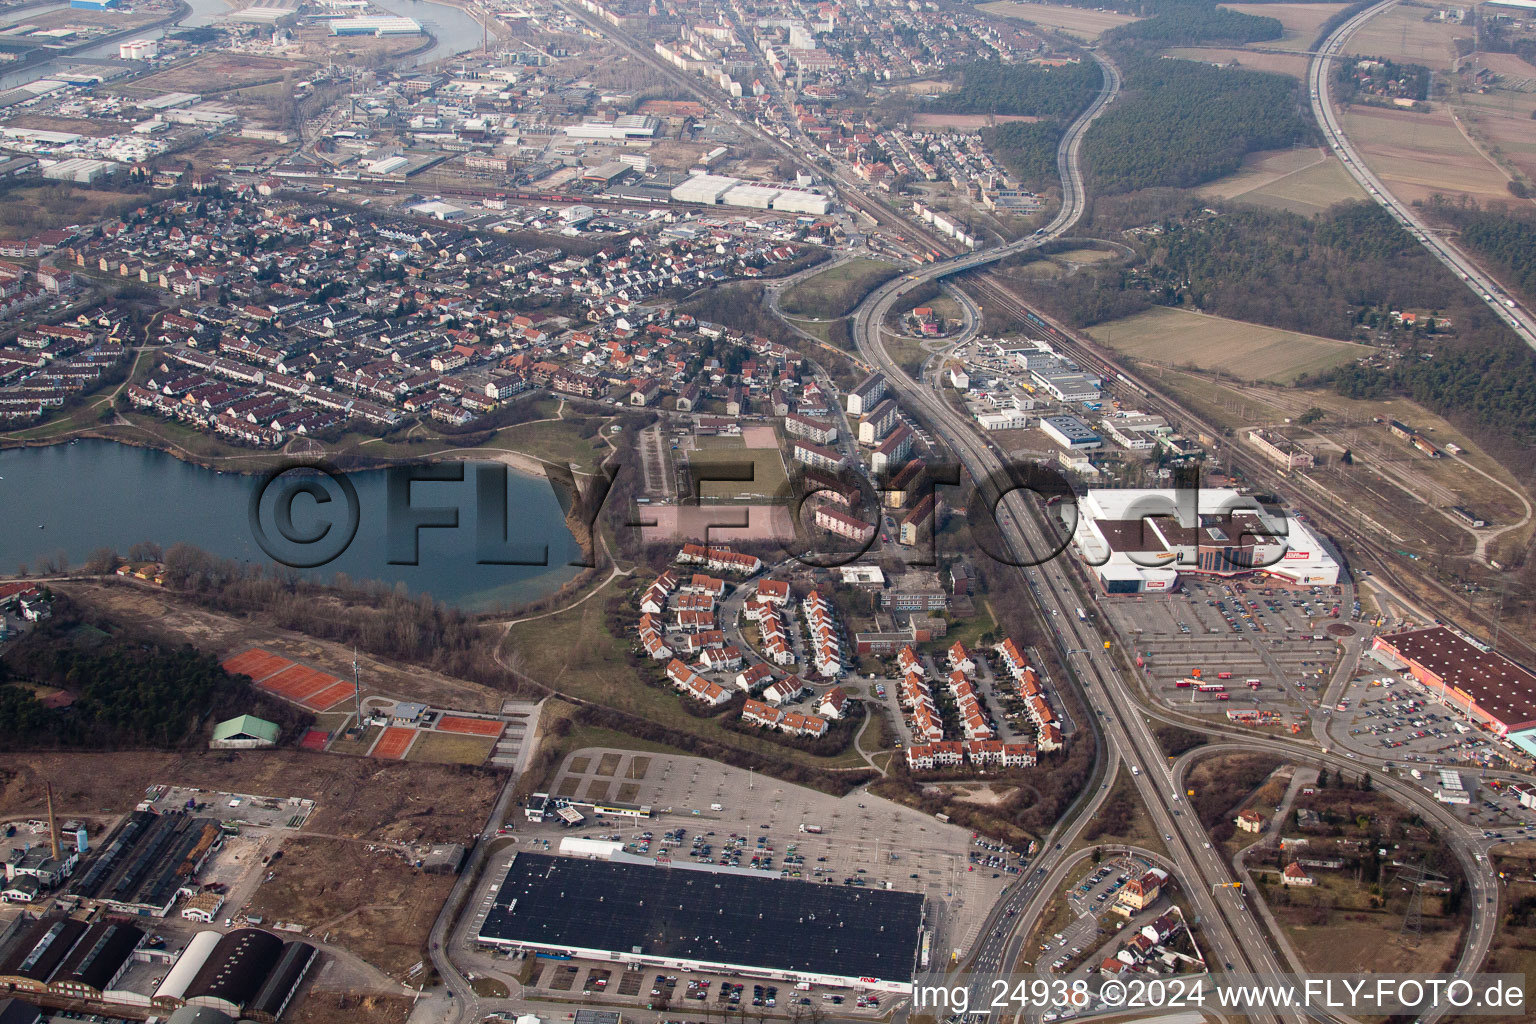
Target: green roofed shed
{"x":245,"y":731}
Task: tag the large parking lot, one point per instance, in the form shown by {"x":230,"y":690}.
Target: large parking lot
{"x":1252,"y":645}
{"x":703,"y":811}
{"x":1386,"y":716}
{"x":862,"y":839}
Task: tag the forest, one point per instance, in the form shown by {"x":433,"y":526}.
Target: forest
{"x":129,"y":690}
{"x":991,"y":87}
{"x":1027,"y":149}
{"x":1180,"y":123}
{"x":1503,"y":238}
{"x":1197,"y":23}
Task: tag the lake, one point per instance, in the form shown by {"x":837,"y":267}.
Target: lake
{"x":76,"y":498}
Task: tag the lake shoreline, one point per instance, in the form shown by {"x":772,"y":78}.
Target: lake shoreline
{"x":350,"y":461}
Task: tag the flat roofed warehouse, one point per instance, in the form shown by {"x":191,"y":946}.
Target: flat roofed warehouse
{"x":686,"y":918}
{"x":1490,"y":686}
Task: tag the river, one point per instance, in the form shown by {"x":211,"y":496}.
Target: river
{"x":455,"y":31}
{"x":75,"y":498}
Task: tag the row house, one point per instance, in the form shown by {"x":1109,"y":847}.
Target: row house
{"x":702,"y":584}
{"x":753,"y":679}
{"x":696,"y":642}
{"x":652,"y":638}
{"x":821,"y":627}
{"x":997,"y":754}
{"x":715,"y":659}
{"x":689,"y":682}
{"x":928,"y":756}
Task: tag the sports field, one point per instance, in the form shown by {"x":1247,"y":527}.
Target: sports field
{"x":471,"y":726}
{"x":769,"y":479}
{"x":1075,"y":21}
{"x":446,"y":748}
{"x":300,"y":684}
{"x":394,"y":743}
{"x":1178,"y":337}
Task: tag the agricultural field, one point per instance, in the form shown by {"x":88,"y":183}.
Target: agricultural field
{"x":1075,"y":21}
{"x":1501,"y":124}
{"x":1178,"y":337}
{"x":1302,"y":21}
{"x":1293,"y":64}
{"x":1303,"y":180}
{"x":1403,"y":34}
{"x":837,"y":290}
{"x":1419,"y":154}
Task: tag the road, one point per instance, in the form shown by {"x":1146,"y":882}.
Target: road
{"x":1482,"y":284}
{"x":1234,"y":936}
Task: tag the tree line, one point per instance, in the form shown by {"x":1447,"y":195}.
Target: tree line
{"x":1032,"y":90}
{"x":1026,"y":148}
{"x":1182,"y":123}
{"x":127,"y":688}
{"x":1503,"y":237}
{"x":1197,"y":23}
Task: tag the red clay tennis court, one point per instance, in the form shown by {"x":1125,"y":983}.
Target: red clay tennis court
{"x":394,"y":743}
{"x":299,"y":683}
{"x":329,"y":697}
{"x":314,"y":739}
{"x":256,"y":663}
{"x":472,"y":726}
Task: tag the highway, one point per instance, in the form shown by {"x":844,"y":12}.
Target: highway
{"x":1232,"y":932}
{"x":1235,"y":936}
{"x":1481,"y":283}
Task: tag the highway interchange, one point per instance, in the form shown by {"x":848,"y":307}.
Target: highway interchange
{"x":1124,"y":725}
{"x":1233,"y":932}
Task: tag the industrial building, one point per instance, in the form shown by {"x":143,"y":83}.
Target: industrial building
{"x":93,"y":5}
{"x":1281,"y":450}
{"x":80,"y":170}
{"x":245,"y":973}
{"x":630,"y":126}
{"x":1139,"y":540}
{"x":146,"y":861}
{"x":375,"y":26}
{"x":699,"y":917}
{"x":1071,"y":433}
{"x":1481,"y":684}
{"x":721,"y":190}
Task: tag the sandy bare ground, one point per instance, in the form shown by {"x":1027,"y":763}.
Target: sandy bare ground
{"x":162,"y":612}
{"x":664,"y":523}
